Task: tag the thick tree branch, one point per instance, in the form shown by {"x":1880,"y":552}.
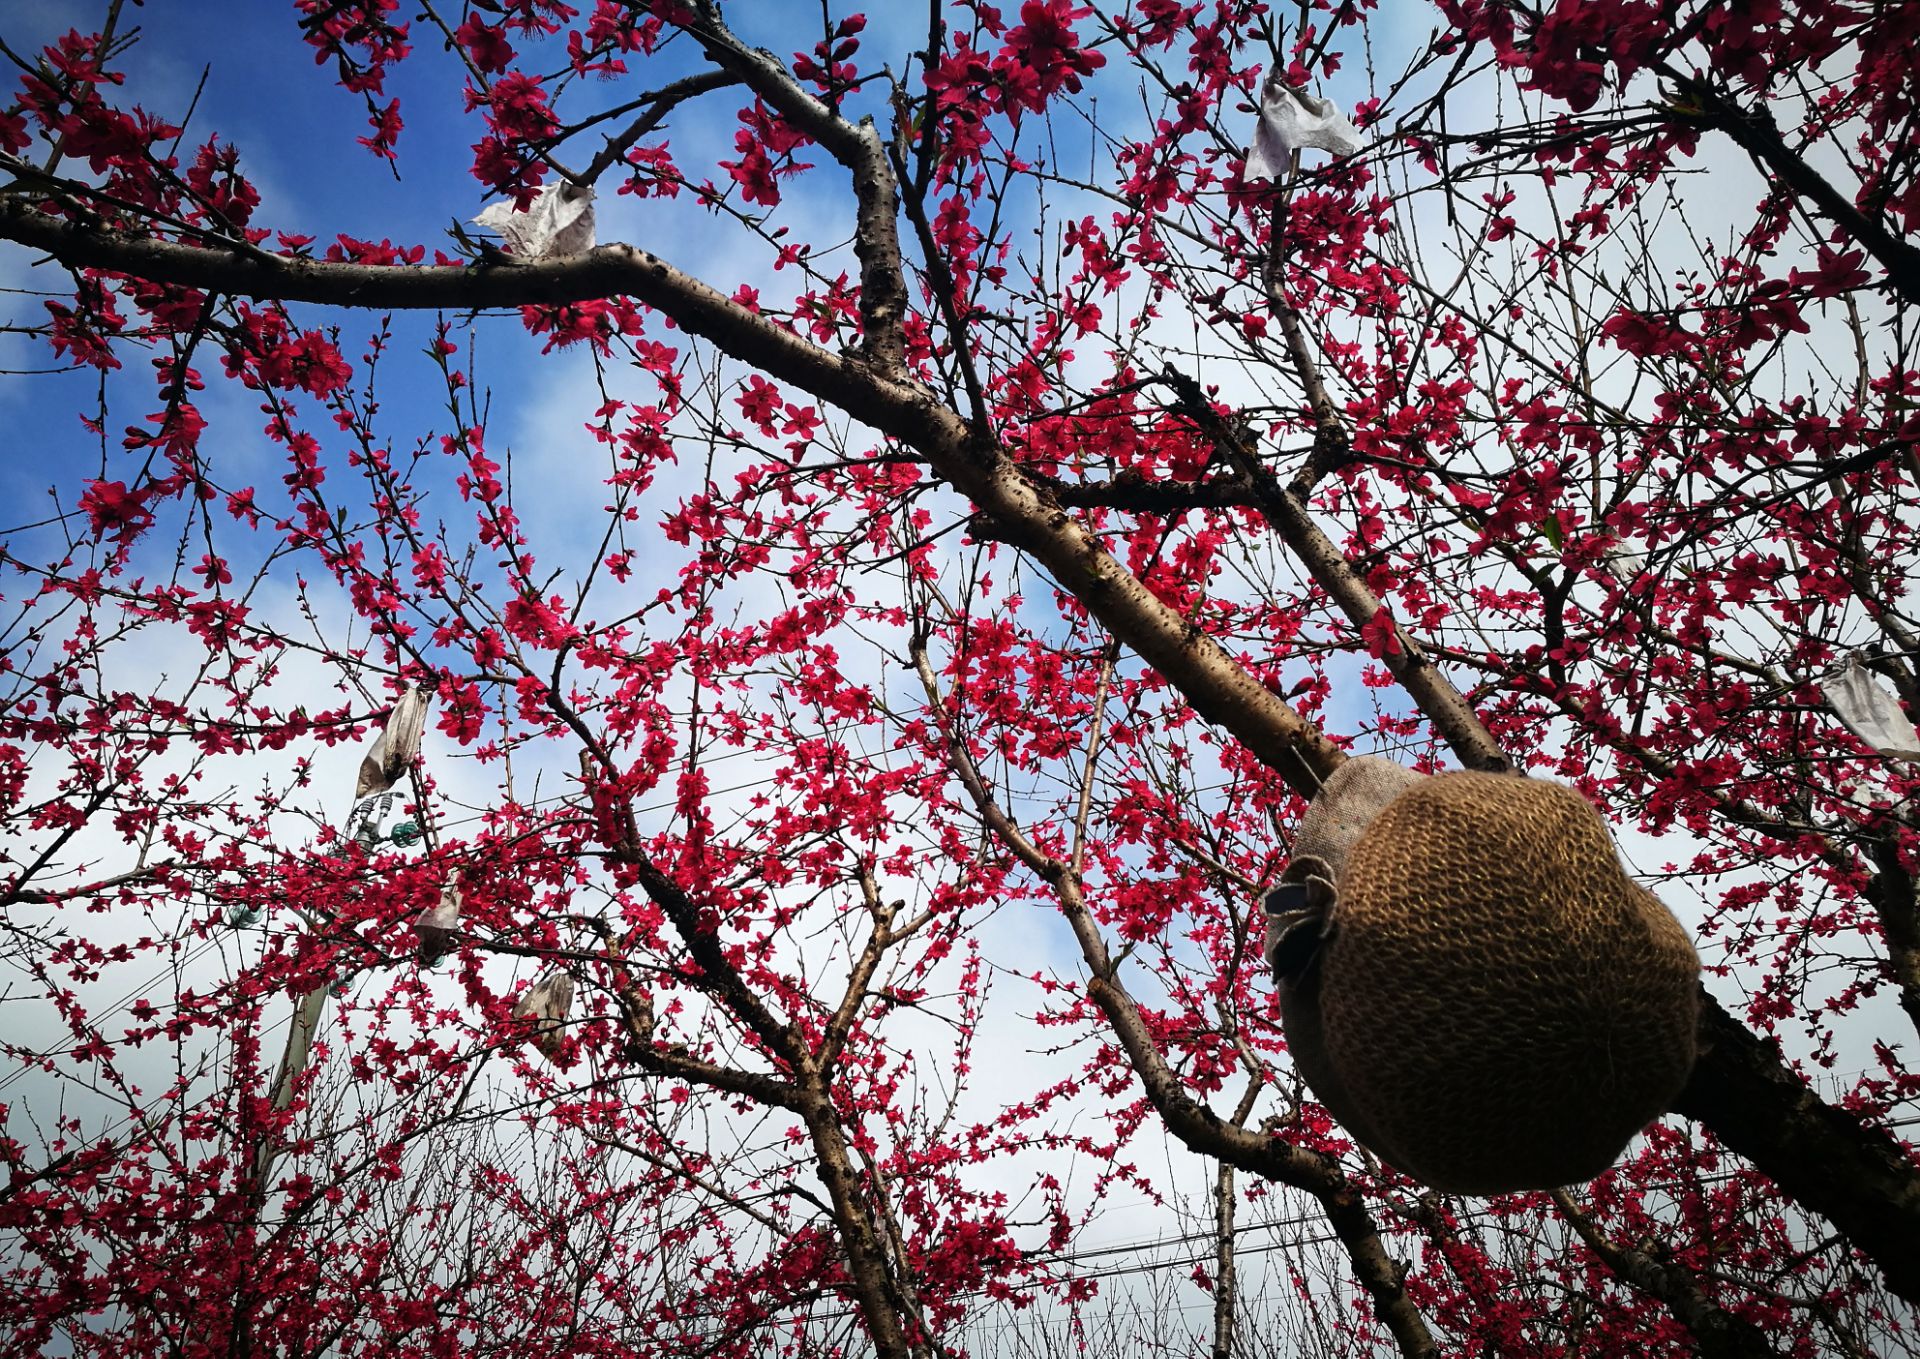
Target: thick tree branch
{"x":674,"y":1061}
{"x":1720,"y":1334}
{"x":1759,"y":136}
{"x":1859,"y":1178}
{"x":1217,"y":686}
{"x":703,"y":945}
{"x":1135,"y":493}
{"x":858,"y":147}
{"x":883,"y":1305}
{"x":1892,"y":893}
{"x":1452,"y":716}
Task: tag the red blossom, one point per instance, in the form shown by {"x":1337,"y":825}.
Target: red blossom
{"x":1645,"y":336}
{"x":309,"y":361}
{"x":1838,"y":272}
{"x":111,"y":507}
{"x":1043,"y":55}
{"x":485,"y":44}
{"x":1382,"y":638}
{"x":386,"y":130}
{"x":1632,"y":485}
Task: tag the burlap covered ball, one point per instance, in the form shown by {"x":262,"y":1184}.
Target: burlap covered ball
{"x":1493,"y":1004}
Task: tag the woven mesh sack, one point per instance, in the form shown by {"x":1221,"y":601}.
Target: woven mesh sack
{"x":1484,"y":998}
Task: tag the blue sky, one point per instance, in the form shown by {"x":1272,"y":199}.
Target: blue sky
{"x":297,"y":133}
{"x":296,"y":129}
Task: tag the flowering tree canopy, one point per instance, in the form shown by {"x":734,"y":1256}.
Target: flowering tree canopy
{"x":847,"y":651}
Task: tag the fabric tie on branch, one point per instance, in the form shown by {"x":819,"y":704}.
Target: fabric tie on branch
{"x":1471,"y":983}
{"x":1291,"y":120}
{"x":1870,"y":712}
{"x":559,"y":221}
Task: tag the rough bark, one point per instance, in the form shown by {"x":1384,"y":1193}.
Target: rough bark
{"x":1859,"y":1178}
{"x":881,"y":1306}
{"x":1896,"y":905}
{"x":1226,"y":1277}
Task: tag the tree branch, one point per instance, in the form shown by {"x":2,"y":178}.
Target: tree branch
{"x":637,"y":1019}
{"x":1859,"y":1178}
{"x":1187,"y":1118}
{"x":1452,"y":716}
{"x":659,"y":105}
{"x":1759,"y":136}
{"x":1217,"y":686}
{"x":1133,"y":492}
{"x":37,"y":896}
{"x":858,"y":147}
{"x":1720,"y":1334}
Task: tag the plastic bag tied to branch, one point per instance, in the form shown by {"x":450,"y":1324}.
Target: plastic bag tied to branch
{"x":375,"y":817}
{"x":1870,"y":712}
{"x":547,"y":1004}
{"x":1292,"y":120}
{"x":437,"y":931}
{"x":559,"y":221}
{"x":395,"y":748}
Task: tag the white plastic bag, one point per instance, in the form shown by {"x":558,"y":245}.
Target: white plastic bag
{"x":1291,"y":120}
{"x":1870,"y":712}
{"x":559,"y":221}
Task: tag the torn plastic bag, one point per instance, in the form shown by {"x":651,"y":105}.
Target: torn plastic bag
{"x":559,"y":221}
{"x":1291,"y":120}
